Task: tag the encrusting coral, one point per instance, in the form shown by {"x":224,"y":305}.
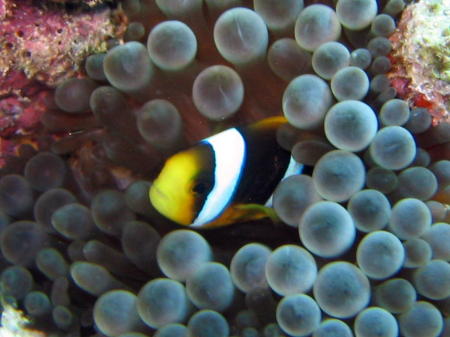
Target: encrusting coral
{"x":42,"y":45}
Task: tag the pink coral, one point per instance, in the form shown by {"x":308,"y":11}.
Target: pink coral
{"x":41,"y":47}
{"x":50,"y":44}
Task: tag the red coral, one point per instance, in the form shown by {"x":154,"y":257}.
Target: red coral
{"x":21,"y":104}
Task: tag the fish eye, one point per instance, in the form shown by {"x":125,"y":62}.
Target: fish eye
{"x":199,"y":187}
{"x":202,"y":184}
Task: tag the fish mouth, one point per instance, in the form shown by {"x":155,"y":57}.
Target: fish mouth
{"x":167,"y":204}
{"x":159,"y":200}
{"x":154,"y":190}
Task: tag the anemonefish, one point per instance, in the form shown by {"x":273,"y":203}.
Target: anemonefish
{"x":224,"y":179}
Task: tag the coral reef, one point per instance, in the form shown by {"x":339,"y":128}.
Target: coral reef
{"x":361,"y":244}
{"x":421,"y":57}
{"x":41,"y":47}
{"x":89,"y":3}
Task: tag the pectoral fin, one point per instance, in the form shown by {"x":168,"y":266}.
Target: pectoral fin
{"x":259,"y":211}
{"x":244,"y":212}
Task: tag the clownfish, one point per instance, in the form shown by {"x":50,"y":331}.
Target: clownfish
{"x":226,"y":178}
